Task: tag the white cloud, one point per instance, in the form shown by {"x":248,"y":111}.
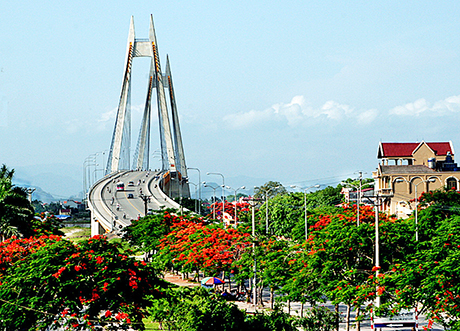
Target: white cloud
{"x":450,"y":104}
{"x":244,"y":119}
{"x":108,"y":115}
{"x":412,"y":108}
{"x":335,"y":111}
{"x":367,"y":116}
{"x":299,"y":112}
{"x":421,"y":106}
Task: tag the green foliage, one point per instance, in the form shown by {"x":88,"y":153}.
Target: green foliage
{"x":329,"y":196}
{"x":187,"y":203}
{"x":286,"y":213}
{"x":16,"y":212}
{"x":197,"y":309}
{"x":46,"y":225}
{"x":147,"y":231}
{"x":428,"y":276}
{"x":273,"y":321}
{"x":49,"y":281}
{"x":269,"y":189}
{"x":319,"y":318}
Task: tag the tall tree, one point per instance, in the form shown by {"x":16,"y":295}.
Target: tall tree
{"x":269,"y":189}
{"x":49,"y":281}
{"x":16,"y":212}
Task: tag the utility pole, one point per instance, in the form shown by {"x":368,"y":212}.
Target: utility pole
{"x":358,"y":200}
{"x":253,"y":201}
{"x":146,"y":200}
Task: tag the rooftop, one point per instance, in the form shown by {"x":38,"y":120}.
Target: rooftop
{"x":407,"y":149}
{"x":405,"y":169}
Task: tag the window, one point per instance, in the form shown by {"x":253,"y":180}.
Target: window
{"x":451,"y":183}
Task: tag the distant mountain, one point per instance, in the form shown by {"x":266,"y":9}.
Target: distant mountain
{"x":52,"y":182}
{"x":234,"y":182}
{"x":57,"y":182}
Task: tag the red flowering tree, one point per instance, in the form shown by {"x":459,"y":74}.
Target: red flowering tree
{"x":146,"y":232}
{"x":229,"y":208}
{"x":50,"y":281}
{"x":429,"y":277}
{"x":197,"y":246}
{"x":338,"y":258}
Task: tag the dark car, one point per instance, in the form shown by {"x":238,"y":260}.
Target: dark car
{"x":130,"y":196}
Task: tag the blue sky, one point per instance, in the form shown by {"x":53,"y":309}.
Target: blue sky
{"x":299,"y":92}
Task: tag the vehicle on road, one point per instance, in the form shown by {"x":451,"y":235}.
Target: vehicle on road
{"x":130,"y":183}
{"x":130,"y":196}
{"x":120,"y":186}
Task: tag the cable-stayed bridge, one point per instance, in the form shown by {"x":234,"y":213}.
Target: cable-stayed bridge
{"x":129,"y":189}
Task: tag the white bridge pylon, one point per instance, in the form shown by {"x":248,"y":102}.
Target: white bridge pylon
{"x":172,"y":152}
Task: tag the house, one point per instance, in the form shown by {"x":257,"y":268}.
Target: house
{"x":351,"y":195}
{"x":406,"y":170}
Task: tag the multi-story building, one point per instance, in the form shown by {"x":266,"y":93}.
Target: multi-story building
{"x":407,"y":169}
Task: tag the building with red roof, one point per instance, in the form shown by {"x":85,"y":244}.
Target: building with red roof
{"x":407,"y":169}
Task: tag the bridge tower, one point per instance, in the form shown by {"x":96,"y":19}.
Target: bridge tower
{"x":173,"y":159}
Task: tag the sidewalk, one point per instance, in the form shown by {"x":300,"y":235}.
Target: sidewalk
{"x":177,"y":280}
{"x":295,"y":306}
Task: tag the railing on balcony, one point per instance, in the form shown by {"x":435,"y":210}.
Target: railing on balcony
{"x":386,"y":192}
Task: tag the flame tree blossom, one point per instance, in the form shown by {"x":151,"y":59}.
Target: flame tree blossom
{"x":197,"y":246}
{"x":429,"y":277}
{"x":51,"y":281}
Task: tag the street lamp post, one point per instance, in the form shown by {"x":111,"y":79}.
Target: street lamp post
{"x":89,"y":161}
{"x":199,"y":188}
{"x":241,"y":188}
{"x":266,"y":206}
{"x":196,"y":190}
{"x":146,"y":200}
{"x":377,"y":245}
{"x":305,"y":205}
{"x":223,"y":189}
{"x":252,"y":201}
{"x":214,"y":207}
{"x":29,"y":191}
{"x":358,"y":199}
{"x":430,"y":180}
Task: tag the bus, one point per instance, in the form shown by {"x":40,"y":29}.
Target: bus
{"x":120,"y":186}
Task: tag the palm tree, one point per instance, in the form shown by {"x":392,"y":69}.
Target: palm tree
{"x":16,"y":212}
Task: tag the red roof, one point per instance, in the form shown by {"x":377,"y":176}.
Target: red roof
{"x":407,"y":149}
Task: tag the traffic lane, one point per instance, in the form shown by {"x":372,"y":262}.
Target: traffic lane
{"x":117,"y":200}
{"x":136,"y":183}
{"x":129,"y":208}
{"x":97,"y":195}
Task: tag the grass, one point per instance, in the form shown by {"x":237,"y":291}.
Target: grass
{"x":151,"y":325}
{"x":76,"y":233}
{"x":126,"y":247}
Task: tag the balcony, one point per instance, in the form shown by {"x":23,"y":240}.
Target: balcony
{"x":386,"y":192}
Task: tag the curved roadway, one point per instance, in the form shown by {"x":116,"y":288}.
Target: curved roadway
{"x":113,"y":209}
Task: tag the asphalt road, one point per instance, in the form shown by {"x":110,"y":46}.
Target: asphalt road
{"x":141,"y":193}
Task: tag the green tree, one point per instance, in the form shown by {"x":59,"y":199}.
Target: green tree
{"x":146,"y":232}
{"x":16,"y":212}
{"x":319,"y":318}
{"x":269,"y":189}
{"x":428,"y":276}
{"x":284,"y":211}
{"x":340,"y":255}
{"x":50,"y":281}
{"x":196,"y":309}
{"x":199,"y":310}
